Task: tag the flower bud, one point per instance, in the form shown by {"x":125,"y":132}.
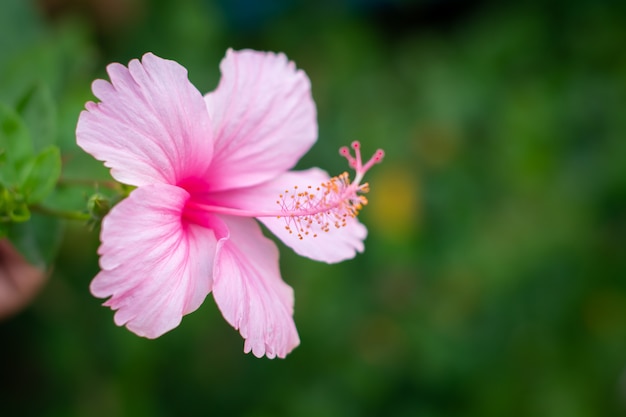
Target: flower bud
{"x":98,"y":206}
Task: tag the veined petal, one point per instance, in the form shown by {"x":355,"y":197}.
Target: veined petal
{"x":156,"y":267}
{"x":250,"y":293}
{"x":264,"y":118}
{"x":151,"y":125}
{"x":334,"y":245}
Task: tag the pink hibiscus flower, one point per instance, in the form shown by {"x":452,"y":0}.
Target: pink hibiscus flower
{"x":204,"y":168}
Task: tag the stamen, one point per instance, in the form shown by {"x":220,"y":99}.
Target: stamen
{"x":333,"y":202}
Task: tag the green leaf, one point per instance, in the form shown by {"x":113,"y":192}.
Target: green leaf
{"x":38,"y":110}
{"x":41,"y":175}
{"x":37,"y":239}
{"x":15,"y":146}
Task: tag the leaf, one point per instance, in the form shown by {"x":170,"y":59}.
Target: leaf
{"x":37,"y":239}
{"x":41,"y":175}
{"x":38,"y":111}
{"x":15,"y":146}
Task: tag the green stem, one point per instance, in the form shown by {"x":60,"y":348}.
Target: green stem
{"x":69,"y":215}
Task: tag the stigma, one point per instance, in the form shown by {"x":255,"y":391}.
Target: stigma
{"x":331,"y":204}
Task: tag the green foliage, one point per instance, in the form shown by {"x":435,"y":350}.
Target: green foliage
{"x":15,"y":147}
{"x":15,"y":154}
{"x":42,"y":174}
{"x":38,"y":239}
{"x":38,"y":111}
{"x":30,"y":166}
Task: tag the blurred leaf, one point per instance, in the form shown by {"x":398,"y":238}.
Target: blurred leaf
{"x":43,"y":174}
{"x":57,"y":59}
{"x":38,"y":111}
{"x":17,"y":17}
{"x":37,"y":239}
{"x":15,"y":146}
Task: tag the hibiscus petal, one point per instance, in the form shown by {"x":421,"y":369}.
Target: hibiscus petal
{"x":264,"y":118}
{"x":335,"y":245}
{"x":155,"y":266}
{"x":151,"y":124}
{"x":250,"y":293}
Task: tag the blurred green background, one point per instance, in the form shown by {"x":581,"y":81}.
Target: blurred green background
{"x":494,"y":277}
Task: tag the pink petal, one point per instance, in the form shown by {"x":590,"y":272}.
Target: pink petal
{"x":336,"y":245}
{"x":250,"y":293}
{"x":264,"y":118}
{"x":155,"y":266}
{"x":150,"y":126}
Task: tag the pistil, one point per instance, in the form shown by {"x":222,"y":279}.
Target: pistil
{"x":316,"y":208}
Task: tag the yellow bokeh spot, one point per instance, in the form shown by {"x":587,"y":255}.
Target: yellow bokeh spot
{"x":394,"y":208}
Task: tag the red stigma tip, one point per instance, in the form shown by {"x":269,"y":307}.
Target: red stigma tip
{"x":355,"y":161}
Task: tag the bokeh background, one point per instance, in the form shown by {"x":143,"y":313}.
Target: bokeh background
{"x":494,"y":277}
